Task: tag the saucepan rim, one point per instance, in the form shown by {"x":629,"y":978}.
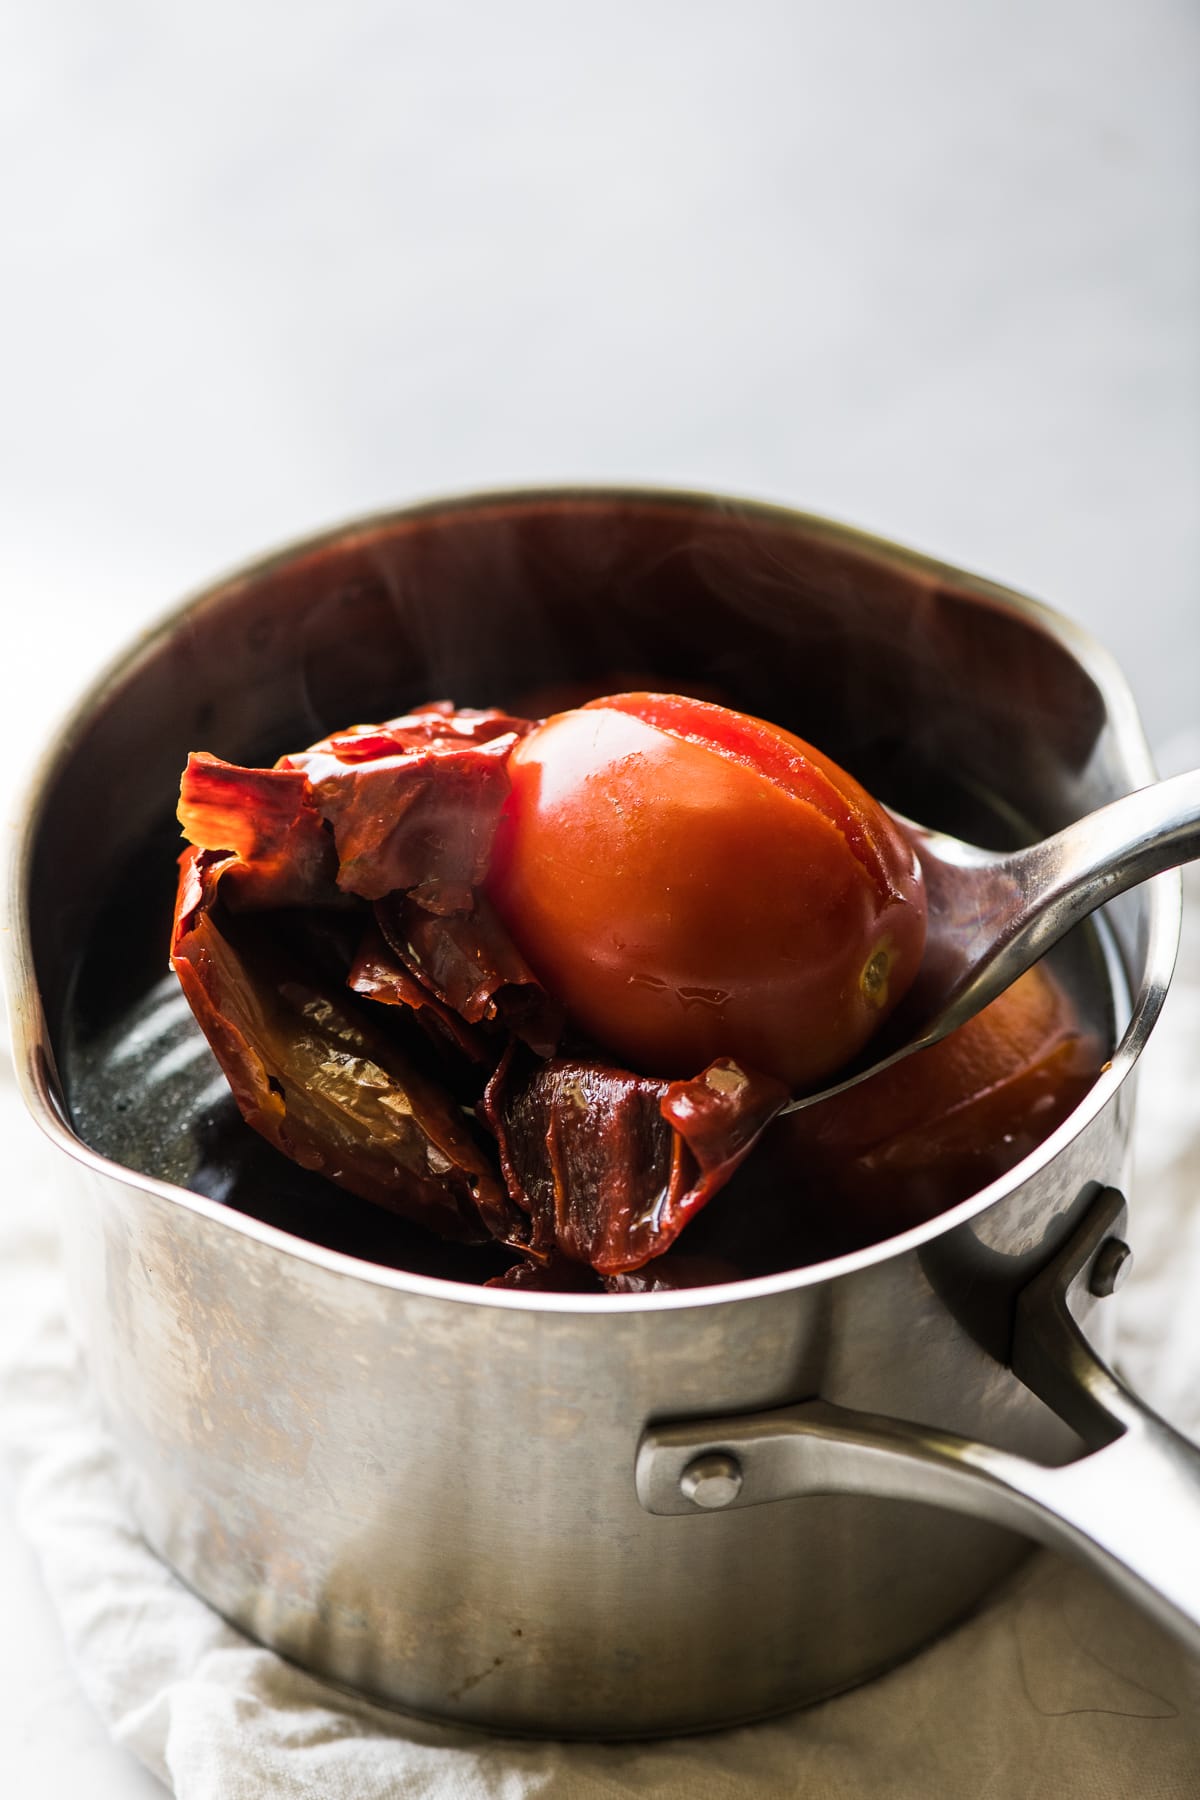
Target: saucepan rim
{"x":32,"y":1051}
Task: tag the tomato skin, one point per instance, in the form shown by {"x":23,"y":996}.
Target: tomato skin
{"x":936,"y":1127}
{"x":918,"y":1138}
{"x":692,"y":884}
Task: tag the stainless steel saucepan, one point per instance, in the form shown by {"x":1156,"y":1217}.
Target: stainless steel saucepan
{"x":592,"y":1515}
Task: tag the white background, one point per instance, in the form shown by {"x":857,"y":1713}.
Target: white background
{"x":931,"y":268}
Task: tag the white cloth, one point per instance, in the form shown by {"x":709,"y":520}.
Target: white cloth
{"x":1056,"y":1688}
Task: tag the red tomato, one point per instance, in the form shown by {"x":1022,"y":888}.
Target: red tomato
{"x":938,"y":1126}
{"x":693,"y":883}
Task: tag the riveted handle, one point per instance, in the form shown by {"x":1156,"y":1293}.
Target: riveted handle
{"x":1130,"y":1506}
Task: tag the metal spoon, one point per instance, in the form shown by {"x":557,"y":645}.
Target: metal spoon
{"x":993,"y":914}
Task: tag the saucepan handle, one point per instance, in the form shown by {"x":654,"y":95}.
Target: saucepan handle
{"x":1130,"y":1505}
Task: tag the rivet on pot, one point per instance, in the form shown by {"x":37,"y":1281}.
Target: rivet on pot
{"x":712,"y":1481}
{"x":1111,"y":1265}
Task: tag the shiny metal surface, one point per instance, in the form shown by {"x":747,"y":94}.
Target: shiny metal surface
{"x":712,"y":1480}
{"x":993,"y":916}
{"x":425,"y":1490}
{"x":1129,"y":1506}
{"x":1113,"y":1264}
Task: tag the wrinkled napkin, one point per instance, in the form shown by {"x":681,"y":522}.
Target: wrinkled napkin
{"x":1056,"y":1687}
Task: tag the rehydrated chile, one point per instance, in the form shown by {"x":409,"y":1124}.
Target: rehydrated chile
{"x":610,"y":1166}
{"x":469,"y":962}
{"x":314,"y":1074}
{"x":413,"y":804}
{"x":376,"y":1023}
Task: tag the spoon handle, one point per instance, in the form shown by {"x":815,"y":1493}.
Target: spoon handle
{"x":997,"y":914}
{"x":1070,"y":874}
{"x":1031,"y":898}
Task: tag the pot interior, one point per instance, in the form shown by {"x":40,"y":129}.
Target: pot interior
{"x":952,"y":701}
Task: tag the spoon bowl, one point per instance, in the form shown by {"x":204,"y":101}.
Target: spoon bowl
{"x":993,"y":914}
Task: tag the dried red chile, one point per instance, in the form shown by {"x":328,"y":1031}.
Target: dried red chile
{"x":389,"y":1035}
{"x":610,"y":1166}
{"x":314,"y":1074}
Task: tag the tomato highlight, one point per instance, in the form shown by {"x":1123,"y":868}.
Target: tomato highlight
{"x":694,"y":883}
